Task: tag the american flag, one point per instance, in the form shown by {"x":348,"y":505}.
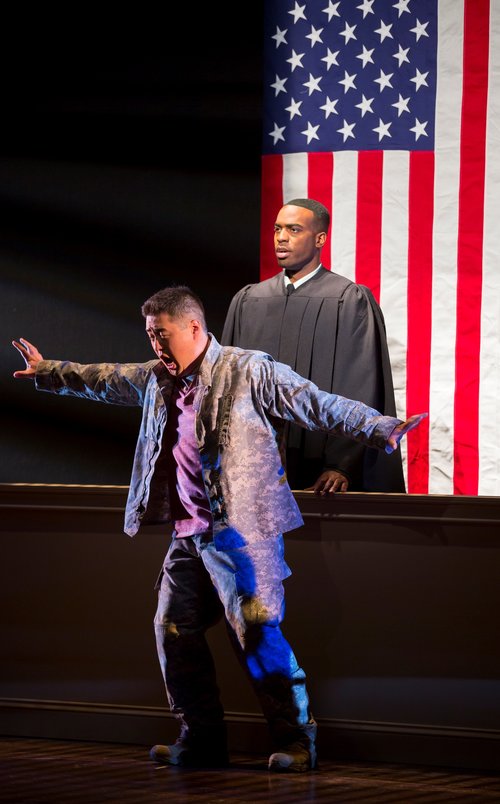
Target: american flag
{"x":389,"y":113}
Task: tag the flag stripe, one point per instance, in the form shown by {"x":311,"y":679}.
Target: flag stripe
{"x":343,"y":228}
{"x":470,"y":235}
{"x":319,"y":186}
{"x":446,"y":183}
{"x":394,"y":275}
{"x":489,"y":394}
{"x":295,"y":176}
{"x":271,"y":199}
{"x":369,"y":218}
{"x":419,"y":305}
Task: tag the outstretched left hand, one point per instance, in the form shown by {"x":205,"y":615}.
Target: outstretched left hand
{"x":401,"y":430}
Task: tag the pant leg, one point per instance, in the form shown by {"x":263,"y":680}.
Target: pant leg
{"x":249,"y":580}
{"x":187,"y":605}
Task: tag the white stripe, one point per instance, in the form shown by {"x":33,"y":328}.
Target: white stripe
{"x":447,"y":150}
{"x":394,"y":273}
{"x":295,"y":169}
{"x":489,"y":392}
{"x":343,"y":228}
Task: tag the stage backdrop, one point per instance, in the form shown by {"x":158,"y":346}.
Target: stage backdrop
{"x":388,"y":112}
{"x":119,"y":174}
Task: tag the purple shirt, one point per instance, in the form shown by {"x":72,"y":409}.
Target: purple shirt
{"x":190,"y":507}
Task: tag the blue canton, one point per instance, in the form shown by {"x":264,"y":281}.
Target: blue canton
{"x":349,"y":75}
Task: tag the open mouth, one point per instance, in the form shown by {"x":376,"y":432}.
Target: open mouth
{"x":170,"y":364}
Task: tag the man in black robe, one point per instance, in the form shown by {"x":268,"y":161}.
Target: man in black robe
{"x":329,"y":330}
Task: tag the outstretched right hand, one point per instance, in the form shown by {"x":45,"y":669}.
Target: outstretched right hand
{"x":31,"y":357}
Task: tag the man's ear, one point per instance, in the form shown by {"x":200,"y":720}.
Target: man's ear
{"x":196,"y":327}
{"x":321,"y":239}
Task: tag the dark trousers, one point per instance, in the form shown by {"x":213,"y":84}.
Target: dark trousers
{"x":204,"y":578}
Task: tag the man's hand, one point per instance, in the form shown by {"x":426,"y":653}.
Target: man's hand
{"x":31,"y":357}
{"x":403,"y":428}
{"x":329,"y":482}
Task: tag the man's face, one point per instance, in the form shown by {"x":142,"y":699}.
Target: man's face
{"x":172,"y":340}
{"x":297,"y":242}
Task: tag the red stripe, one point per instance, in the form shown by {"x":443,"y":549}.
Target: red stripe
{"x":369,"y":220}
{"x":319,"y":187}
{"x":470,"y":245}
{"x":419,"y":295}
{"x":271,"y":203}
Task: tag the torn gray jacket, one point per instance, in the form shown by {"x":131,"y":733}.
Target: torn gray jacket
{"x":243,"y":399}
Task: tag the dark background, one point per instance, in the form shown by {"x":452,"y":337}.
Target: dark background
{"x":130,"y":159}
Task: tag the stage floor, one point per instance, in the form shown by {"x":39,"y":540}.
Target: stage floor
{"x":58,"y":772}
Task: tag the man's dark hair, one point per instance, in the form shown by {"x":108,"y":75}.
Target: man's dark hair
{"x":319,"y":210}
{"x":177,"y":301}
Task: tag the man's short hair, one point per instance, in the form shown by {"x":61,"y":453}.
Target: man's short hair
{"x":319,"y":211}
{"x":177,"y":301}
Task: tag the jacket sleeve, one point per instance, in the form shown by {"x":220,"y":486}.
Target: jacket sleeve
{"x":114,"y":383}
{"x":291,"y":397}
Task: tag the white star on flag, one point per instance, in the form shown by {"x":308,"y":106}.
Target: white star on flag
{"x":294,"y":108}
{"x":365,"y":105}
{"x":329,"y":107}
{"x":277,"y":133}
{"x":330,"y":58}
{"x":384,"y":80}
{"x":366,"y":56}
{"x":331,"y":10}
{"x":313,"y":84}
{"x":382,"y":129}
{"x":384,"y":31}
{"x":280,"y":37}
{"x":348,"y":32}
{"x":298,"y":13}
{"x":419,"y":129}
{"x":346,"y":130}
{"x":366,"y":7}
{"x":402,"y":6}
{"x":402,"y":55}
{"x":279,"y":85}
{"x":310,"y":133}
{"x":420,"y":29}
{"x":420,"y":80}
{"x":348,"y":81}
{"x":401,"y":105}
{"x":295,"y":60}
{"x":315,"y":35}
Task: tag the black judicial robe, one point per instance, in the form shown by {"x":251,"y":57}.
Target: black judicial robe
{"x":332,"y":331}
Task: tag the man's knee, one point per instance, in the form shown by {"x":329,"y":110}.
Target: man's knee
{"x":255,"y":612}
{"x":254,"y":623}
{"x":166,"y":631}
